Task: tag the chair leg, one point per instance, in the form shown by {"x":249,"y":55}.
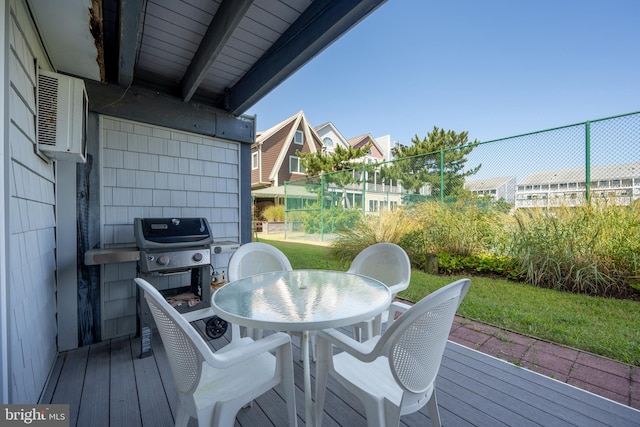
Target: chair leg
{"x":322,"y":373}
{"x":432,"y":410}
{"x":287,"y":385}
{"x":182,"y":416}
{"x":356,"y":333}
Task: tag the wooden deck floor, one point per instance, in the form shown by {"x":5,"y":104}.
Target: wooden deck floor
{"x":107,"y":384}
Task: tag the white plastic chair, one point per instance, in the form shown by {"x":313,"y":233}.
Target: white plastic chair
{"x":393,"y":374}
{"x":255,"y":258}
{"x":213,"y":387}
{"x":388,"y":263}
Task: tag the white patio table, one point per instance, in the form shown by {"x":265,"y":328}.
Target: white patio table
{"x":301,"y":300}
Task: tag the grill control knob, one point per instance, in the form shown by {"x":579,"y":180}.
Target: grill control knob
{"x":163,"y":260}
{"x":197,"y":257}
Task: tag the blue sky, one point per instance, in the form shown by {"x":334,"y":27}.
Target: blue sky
{"x":494,"y":68}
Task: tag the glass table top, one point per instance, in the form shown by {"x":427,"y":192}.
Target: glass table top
{"x":301,"y":300}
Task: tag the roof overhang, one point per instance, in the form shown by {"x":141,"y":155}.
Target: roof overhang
{"x":226,"y":54}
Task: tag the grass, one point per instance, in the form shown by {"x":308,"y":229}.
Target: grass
{"x":604,"y":326}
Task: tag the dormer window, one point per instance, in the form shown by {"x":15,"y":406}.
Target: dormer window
{"x":299,"y":138}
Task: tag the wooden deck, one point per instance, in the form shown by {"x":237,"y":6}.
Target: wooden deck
{"x":107,"y":384}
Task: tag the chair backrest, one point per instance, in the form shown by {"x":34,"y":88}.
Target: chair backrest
{"x":414,"y":343}
{"x":386,"y":262}
{"x":186,"y":350}
{"x":254,"y":258}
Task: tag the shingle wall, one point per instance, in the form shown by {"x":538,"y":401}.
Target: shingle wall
{"x":149,"y":171}
{"x":32,"y":282}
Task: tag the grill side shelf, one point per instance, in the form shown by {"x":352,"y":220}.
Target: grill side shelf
{"x":109,"y":256}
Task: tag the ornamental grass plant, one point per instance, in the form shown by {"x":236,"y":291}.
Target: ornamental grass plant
{"x":590,"y":249}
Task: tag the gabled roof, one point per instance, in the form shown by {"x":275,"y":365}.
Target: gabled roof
{"x":362,"y":140}
{"x":561,"y":176}
{"x":294,"y":123}
{"x":487,"y":184}
{"x":329,"y":125}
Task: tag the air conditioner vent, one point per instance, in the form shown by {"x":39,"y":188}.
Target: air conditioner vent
{"x":62,"y":117}
{"x":47,"y":109}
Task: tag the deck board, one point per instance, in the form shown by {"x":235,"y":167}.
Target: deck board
{"x":107,"y":384}
{"x":70,"y":383}
{"x":94,"y":407}
{"x":123,"y":399}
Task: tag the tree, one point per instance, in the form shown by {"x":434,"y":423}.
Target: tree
{"x":341,"y":159}
{"x":337,"y":166}
{"x":420,"y":164}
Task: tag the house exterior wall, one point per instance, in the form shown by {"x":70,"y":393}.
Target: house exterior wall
{"x":328,"y":132}
{"x":269,"y":151}
{"x":150,"y":171}
{"x":284,"y":173}
{"x":496,"y":188}
{"x":31,"y":287}
{"x":620,"y":192}
{"x":618,"y":184}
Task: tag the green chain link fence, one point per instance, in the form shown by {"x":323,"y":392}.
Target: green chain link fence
{"x":561,"y":166}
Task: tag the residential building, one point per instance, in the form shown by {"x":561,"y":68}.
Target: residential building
{"x":331,"y":137}
{"x":387,"y":146}
{"x":619,"y":184}
{"x":275,"y":158}
{"x":494,"y":188}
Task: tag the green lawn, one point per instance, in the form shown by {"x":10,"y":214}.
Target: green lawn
{"x":607,"y":327}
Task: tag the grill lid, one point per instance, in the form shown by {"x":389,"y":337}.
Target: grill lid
{"x":171,"y":232}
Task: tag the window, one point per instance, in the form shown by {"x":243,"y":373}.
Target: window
{"x":295,"y":165}
{"x":328,"y":142}
{"x":299,"y":138}
{"x":254,"y":160}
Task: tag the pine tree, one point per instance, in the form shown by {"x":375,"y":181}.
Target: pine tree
{"x":419,"y":164}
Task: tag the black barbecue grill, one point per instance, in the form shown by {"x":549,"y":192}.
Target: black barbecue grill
{"x":175,"y":257}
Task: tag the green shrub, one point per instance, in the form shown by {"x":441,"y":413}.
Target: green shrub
{"x":456,"y":229}
{"x":367,"y":230}
{"x":484,"y":264}
{"x":274,"y":213}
